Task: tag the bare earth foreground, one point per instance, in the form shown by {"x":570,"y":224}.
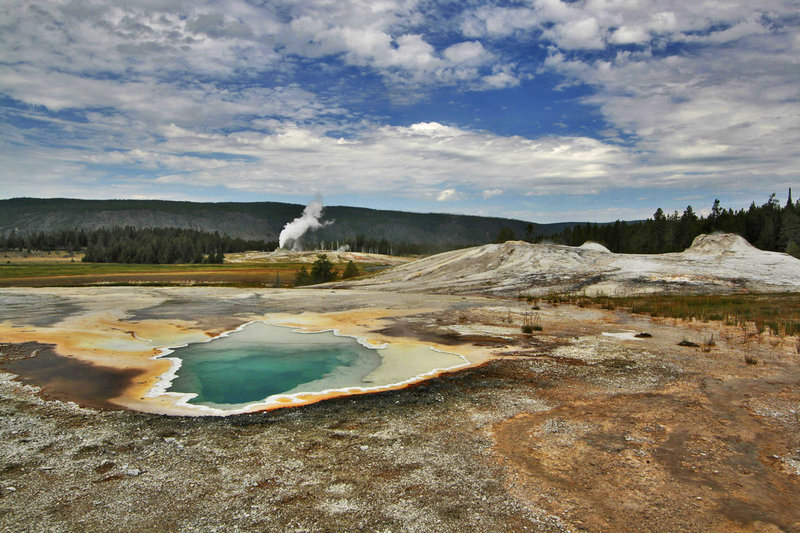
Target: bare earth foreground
{"x":581,"y":426}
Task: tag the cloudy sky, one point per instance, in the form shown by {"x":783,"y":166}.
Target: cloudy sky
{"x":544,"y":110}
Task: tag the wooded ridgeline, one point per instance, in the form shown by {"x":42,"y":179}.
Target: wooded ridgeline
{"x":769,"y":227}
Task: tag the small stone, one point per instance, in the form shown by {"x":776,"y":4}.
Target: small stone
{"x":364,"y":448}
{"x":133,"y":472}
{"x":11,"y":489}
{"x":169,"y":439}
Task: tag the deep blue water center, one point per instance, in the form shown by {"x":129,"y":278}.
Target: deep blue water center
{"x":263,"y":360}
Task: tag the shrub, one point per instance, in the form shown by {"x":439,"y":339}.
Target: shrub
{"x":530,"y":323}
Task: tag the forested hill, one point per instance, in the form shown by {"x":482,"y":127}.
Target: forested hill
{"x":259,"y":221}
{"x":770,"y":226}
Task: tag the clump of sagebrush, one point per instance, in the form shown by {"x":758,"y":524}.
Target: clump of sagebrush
{"x":708,"y":344}
{"x":750,"y":359}
{"x":531,"y":322}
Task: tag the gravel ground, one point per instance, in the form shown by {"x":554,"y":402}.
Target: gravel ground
{"x":419,"y":459}
{"x":567,"y":430}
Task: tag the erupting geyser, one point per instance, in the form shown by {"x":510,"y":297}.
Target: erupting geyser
{"x":310,"y":219}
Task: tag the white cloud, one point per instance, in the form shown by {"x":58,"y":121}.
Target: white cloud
{"x":728,"y":114}
{"x":468,"y":52}
{"x":155,"y":84}
{"x":447,"y":195}
{"x":491,"y":193}
{"x":584,"y":33}
{"x":147,"y":43}
{"x":419,"y":161}
{"x":433,"y":129}
{"x":629,"y":35}
{"x":500,"y":80}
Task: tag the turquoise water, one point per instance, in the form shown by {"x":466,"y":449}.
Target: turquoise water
{"x":263,"y":360}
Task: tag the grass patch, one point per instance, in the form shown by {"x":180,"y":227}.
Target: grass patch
{"x":78,"y":274}
{"x":48,"y":270}
{"x":776,"y":313}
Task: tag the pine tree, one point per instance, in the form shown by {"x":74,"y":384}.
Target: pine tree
{"x":793,"y":249}
{"x":322,"y":270}
{"x":766,"y":239}
{"x":302,"y":277}
{"x":790,"y":229}
{"x":351,"y":270}
{"x":505,"y":234}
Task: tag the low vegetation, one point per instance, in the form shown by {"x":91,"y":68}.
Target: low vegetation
{"x":776,"y":313}
{"x":531,"y":322}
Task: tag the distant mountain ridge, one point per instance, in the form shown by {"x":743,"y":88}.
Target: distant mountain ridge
{"x":258,"y":220}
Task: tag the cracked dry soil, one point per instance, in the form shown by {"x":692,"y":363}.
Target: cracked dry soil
{"x":570,"y":431}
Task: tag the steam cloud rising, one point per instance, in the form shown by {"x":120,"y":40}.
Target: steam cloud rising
{"x":310,"y":219}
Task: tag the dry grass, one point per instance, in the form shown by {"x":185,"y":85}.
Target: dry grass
{"x":775,"y":313}
{"x":750,"y":359}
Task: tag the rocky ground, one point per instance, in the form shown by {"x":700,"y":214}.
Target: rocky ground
{"x":581,"y":426}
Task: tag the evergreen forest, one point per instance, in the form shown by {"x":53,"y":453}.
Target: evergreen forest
{"x":770,"y":226}
{"x":132,"y":245}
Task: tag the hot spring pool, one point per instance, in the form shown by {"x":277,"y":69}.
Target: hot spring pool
{"x":263,"y":364}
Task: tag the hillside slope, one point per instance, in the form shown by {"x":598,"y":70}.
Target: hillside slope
{"x":257,"y":220}
{"x":714,"y":263}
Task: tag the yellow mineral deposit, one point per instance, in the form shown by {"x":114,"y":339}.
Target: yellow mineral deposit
{"x":107,"y":337}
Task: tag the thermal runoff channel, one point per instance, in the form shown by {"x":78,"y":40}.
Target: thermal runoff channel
{"x":262,"y":360}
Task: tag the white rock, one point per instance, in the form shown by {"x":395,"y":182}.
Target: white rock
{"x":717,"y":263}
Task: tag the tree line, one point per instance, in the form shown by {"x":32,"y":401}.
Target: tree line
{"x":136,"y":245}
{"x":176,"y":245}
{"x":362,"y":244}
{"x":770,"y":226}
{"x":323,"y":271}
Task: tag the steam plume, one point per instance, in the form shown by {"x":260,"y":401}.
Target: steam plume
{"x":310,"y":219}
